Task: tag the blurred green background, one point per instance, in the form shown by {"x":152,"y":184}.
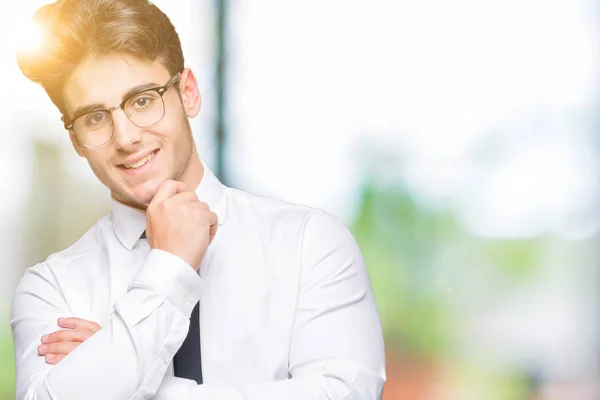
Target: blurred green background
{"x":458,"y":141}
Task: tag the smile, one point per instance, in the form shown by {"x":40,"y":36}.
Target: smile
{"x":142,"y":162}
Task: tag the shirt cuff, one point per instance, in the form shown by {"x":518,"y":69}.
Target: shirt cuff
{"x":172,"y":277}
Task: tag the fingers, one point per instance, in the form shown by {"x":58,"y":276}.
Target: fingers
{"x":78,"y":323}
{"x":186,"y":197}
{"x":78,"y":331}
{"x":57,"y":348}
{"x":71,"y":335}
{"x":167,"y":189}
{"x":56,"y":345}
{"x":54,"y":358}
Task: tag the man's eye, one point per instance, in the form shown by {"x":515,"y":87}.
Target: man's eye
{"x":96,"y":118}
{"x":142,"y":102}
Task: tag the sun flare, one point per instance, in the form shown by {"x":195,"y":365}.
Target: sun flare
{"x":30,"y":37}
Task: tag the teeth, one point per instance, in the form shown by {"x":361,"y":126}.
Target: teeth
{"x":140,"y":163}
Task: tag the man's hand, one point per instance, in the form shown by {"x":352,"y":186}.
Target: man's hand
{"x":179,"y":223}
{"x":55,"y":346}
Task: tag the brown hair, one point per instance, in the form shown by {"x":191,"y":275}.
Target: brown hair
{"x":77,"y":29}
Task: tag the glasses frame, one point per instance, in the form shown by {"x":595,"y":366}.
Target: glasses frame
{"x":161,"y":90}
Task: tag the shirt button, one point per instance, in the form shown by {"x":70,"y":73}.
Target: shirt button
{"x":190,"y":297}
{"x":166,"y":358}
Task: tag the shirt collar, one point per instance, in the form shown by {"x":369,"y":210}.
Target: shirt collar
{"x":129,"y":223}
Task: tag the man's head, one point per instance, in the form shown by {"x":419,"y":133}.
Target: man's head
{"x":115,"y":70}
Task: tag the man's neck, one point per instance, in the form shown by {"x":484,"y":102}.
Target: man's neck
{"x":194,"y":173}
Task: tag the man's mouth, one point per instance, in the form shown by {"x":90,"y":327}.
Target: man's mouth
{"x":140,"y":163}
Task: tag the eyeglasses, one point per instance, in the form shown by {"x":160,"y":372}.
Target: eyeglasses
{"x":144,"y":109}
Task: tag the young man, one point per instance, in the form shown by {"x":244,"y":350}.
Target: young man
{"x":188,"y":289}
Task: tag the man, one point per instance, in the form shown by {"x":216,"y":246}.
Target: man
{"x":188,"y":289}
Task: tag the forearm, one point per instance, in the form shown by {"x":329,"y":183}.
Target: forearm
{"x":125,"y":358}
{"x":128,"y":357}
{"x":337,"y":380}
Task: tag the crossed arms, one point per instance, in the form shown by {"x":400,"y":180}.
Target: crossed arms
{"x":127,"y":358}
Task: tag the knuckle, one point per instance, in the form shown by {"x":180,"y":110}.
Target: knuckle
{"x":163,"y":207}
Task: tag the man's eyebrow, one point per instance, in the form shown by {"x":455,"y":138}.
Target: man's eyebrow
{"x":85,"y":109}
{"x":97,"y":106}
{"x":140,"y":88}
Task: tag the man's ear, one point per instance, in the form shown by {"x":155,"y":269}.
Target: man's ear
{"x":76,"y":144}
{"x":190,"y":93}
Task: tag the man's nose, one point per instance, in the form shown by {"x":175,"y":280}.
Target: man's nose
{"x":126,"y":134}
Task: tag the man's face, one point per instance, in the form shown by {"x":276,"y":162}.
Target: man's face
{"x":168,"y":145}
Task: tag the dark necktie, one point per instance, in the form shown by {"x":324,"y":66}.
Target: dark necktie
{"x":187,"y":361}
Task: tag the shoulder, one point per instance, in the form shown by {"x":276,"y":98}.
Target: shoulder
{"x":276,"y":214}
{"x":244,"y":204}
{"x":262,"y":206}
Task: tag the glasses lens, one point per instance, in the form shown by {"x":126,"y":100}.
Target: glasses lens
{"x":145,"y":109}
{"x":93,"y":129}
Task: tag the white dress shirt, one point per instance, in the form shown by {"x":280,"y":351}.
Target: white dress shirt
{"x":286,"y":309}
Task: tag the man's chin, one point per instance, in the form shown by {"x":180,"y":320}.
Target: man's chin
{"x":138,"y":198}
{"x":144,"y":199}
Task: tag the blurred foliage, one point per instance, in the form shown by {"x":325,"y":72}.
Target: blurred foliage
{"x":399,"y":239}
{"x":7,"y":364}
{"x":419,"y":256}
{"x":468,"y":379}
{"x":517,"y":258}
